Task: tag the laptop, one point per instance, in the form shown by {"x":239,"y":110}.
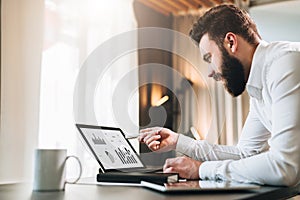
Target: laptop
{"x":112,"y":150}
{"x":199,"y":186}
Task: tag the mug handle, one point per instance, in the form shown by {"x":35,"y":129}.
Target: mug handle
{"x":80,"y":169}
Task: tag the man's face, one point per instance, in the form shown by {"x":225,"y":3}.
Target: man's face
{"x":222,"y":66}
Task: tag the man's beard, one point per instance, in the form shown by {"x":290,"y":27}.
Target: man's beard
{"x":232,"y":74}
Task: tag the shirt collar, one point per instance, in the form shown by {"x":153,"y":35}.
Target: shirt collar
{"x":254,"y":84}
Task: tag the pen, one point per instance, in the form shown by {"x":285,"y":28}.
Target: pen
{"x":131,"y":137}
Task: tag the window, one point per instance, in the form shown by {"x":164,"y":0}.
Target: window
{"x":72,"y":30}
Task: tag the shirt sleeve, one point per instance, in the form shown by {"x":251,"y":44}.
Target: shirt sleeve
{"x":253,"y":140}
{"x":281,"y":164}
{"x":204,"y":151}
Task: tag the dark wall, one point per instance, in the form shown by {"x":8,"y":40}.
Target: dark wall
{"x":147,"y":17}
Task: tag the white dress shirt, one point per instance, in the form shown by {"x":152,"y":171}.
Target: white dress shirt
{"x":268,"y":151}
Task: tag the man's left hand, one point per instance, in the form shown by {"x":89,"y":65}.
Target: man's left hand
{"x":184,"y":166}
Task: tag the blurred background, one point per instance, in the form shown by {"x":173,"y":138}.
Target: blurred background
{"x":45,"y":43}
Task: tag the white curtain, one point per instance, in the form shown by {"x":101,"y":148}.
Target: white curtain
{"x":21,"y":47}
{"x":215,"y":115}
{"x":73,"y":30}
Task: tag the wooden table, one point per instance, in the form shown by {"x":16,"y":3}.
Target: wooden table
{"x":20,"y":191}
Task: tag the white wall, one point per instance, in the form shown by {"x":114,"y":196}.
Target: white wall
{"x":20,"y":72}
{"x":278,"y":21}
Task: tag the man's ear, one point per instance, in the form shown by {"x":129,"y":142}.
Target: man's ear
{"x":230,"y":42}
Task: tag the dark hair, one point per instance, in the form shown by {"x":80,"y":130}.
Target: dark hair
{"x":222,"y":19}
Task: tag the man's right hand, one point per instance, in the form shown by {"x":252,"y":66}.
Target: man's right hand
{"x":159,"y":139}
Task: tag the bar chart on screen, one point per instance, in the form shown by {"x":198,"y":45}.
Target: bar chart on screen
{"x":112,"y":149}
{"x":98,"y":140}
{"x":125,"y":155}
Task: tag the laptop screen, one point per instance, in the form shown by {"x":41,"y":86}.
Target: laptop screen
{"x":110,"y":147}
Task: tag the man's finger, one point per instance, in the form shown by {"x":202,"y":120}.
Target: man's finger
{"x":168,"y":163}
{"x":170,"y":170}
{"x":151,"y":135}
{"x":148,"y":140}
{"x":154,"y":146}
{"x":142,"y":136}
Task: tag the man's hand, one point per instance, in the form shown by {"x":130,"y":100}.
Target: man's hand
{"x":184,"y":166}
{"x":159,"y":139}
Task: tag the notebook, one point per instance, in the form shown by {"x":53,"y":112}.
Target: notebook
{"x":116,"y":156}
{"x":198,"y":186}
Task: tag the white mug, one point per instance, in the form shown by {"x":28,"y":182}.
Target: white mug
{"x":49,"y":169}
